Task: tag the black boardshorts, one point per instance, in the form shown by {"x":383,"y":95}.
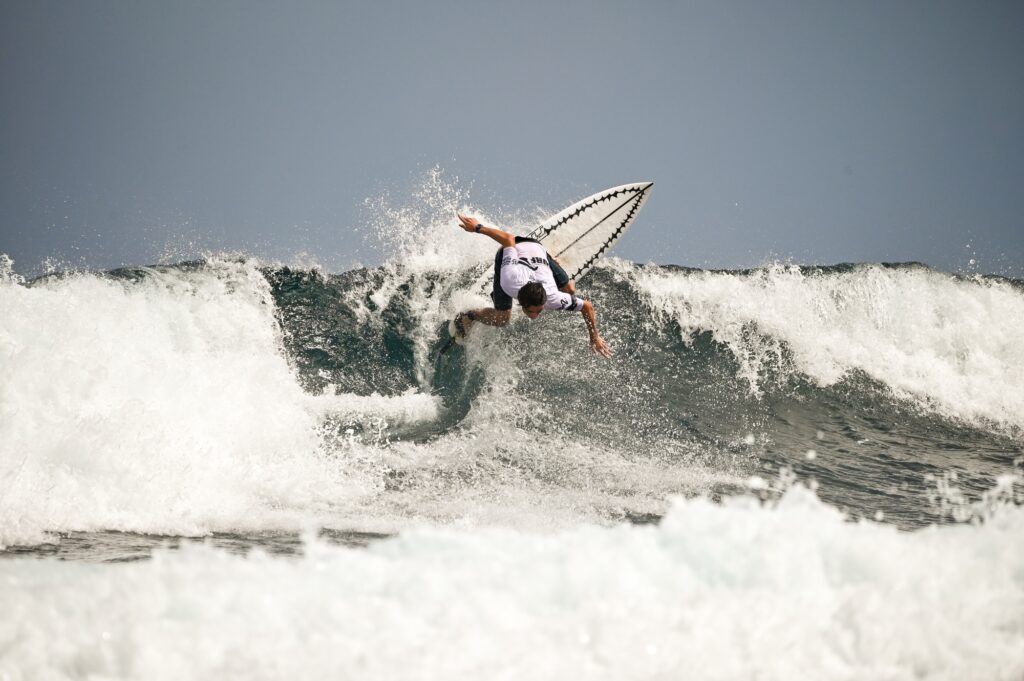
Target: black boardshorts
{"x":502,"y":300}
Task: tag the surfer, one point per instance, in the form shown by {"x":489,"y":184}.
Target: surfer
{"x":523,"y":270}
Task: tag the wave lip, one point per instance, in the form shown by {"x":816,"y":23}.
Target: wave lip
{"x":949,"y":343}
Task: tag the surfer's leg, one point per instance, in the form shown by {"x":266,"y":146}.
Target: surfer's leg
{"x":489,"y":316}
{"x":502,"y":301}
{"x":561,"y":278}
{"x":499,"y":315}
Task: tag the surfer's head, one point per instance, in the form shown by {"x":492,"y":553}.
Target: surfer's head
{"x":531,"y":298}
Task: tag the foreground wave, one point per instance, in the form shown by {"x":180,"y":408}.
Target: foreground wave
{"x":733,"y":590}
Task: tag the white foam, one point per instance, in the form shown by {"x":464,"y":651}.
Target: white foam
{"x":729,"y":591}
{"x":952,"y":344}
{"x":159,"y":406}
{"x":409,"y":407}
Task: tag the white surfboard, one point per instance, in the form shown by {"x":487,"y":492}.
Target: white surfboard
{"x":580,"y":234}
{"x":583,"y":232}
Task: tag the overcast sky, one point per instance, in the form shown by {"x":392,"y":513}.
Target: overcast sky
{"x":813,"y":132}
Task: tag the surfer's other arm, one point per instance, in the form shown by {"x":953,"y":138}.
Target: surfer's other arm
{"x":597,"y":343}
{"x":471,"y":224}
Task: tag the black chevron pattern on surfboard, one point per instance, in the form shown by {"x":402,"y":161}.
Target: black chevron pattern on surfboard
{"x":634,"y":207}
{"x":630,"y":197}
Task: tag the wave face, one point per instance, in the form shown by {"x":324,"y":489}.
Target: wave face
{"x":226,"y":396}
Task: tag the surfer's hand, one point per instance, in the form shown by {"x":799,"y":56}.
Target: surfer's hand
{"x":599,"y":347}
{"x":469,"y":224}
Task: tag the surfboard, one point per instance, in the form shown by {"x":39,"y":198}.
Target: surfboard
{"x":582,"y":233}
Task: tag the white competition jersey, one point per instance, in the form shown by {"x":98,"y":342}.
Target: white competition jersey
{"x":527,"y":262}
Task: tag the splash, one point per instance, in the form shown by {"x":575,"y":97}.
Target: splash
{"x":161,"y":404}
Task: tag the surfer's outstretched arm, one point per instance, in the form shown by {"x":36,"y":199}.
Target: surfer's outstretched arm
{"x":471,"y":224}
{"x":597,"y":343}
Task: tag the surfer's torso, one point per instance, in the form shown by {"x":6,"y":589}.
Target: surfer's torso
{"x":526,"y":262}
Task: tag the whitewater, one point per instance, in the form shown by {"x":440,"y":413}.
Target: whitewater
{"x":225,"y":468}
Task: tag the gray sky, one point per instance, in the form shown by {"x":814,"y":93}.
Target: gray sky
{"x":806,"y":131}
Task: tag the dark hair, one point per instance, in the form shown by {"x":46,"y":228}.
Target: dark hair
{"x":532,"y":294}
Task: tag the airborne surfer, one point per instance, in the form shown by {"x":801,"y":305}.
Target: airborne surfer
{"x":523,"y":270}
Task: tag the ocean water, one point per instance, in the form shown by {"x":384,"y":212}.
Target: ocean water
{"x":231,"y":469}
